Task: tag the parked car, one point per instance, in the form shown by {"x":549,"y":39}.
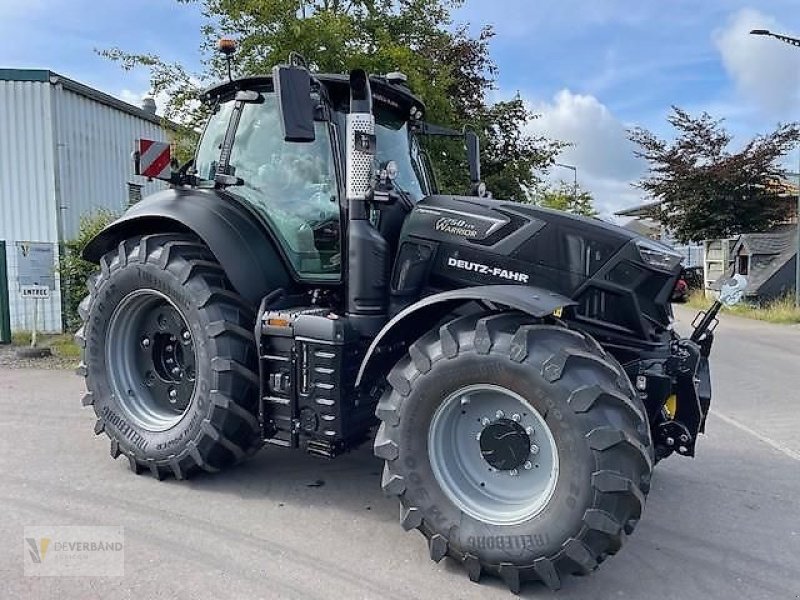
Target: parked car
{"x":693,"y":276}
{"x":680,"y":293}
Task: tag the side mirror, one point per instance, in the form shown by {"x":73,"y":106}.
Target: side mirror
{"x":295,"y":106}
{"x":473,"y":156}
{"x":733,"y":290}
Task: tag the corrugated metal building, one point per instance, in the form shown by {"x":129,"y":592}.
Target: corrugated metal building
{"x":65,"y":151}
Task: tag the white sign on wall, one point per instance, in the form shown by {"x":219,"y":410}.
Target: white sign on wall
{"x":34,"y":291}
{"x":36,"y":265}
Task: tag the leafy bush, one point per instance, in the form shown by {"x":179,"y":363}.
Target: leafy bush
{"x":74,"y":270}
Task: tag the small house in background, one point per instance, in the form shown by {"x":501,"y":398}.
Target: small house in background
{"x":645,"y":227}
{"x":767,"y":260}
{"x":65,"y":151}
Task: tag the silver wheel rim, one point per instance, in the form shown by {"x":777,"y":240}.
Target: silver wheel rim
{"x":151,"y":360}
{"x":456,"y":448}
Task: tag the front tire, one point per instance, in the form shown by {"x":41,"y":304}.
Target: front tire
{"x":468,"y":494}
{"x":169,"y":359}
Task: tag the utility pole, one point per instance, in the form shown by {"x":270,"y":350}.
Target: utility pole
{"x":574,"y":170}
{"x":792,"y":42}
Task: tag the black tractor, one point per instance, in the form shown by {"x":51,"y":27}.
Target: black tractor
{"x":302,"y":282}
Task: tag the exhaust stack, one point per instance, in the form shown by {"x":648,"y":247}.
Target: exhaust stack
{"x":367,"y":251}
{"x":360,"y":143}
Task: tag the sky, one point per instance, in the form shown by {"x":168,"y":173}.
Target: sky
{"x":590,"y":69}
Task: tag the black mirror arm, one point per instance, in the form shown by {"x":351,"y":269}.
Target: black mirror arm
{"x":430,"y":129}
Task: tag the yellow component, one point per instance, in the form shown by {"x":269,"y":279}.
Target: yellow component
{"x":278,"y":322}
{"x":558,"y":312}
{"x":671,"y":405}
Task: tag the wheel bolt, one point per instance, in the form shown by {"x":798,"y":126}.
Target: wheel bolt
{"x":670,"y":441}
{"x":478,"y":436}
{"x":172,"y":396}
{"x":485,"y":421}
{"x":168,"y":348}
{"x":499,"y":414}
{"x":529,"y":430}
{"x":534,"y":449}
{"x":145,"y":342}
{"x":684,"y":438}
{"x":513,"y":472}
{"x":515,"y":417}
{"x":528,"y":465}
{"x":176,"y":371}
{"x":464,"y":400}
{"x":186,"y":335}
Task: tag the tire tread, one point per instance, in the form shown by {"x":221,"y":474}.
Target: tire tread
{"x":561,"y":354}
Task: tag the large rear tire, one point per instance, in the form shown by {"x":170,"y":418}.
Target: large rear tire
{"x":518,"y":449}
{"x":169,"y":359}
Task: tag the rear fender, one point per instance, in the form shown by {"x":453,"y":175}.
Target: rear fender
{"x":413,"y":321}
{"x":247,"y":253}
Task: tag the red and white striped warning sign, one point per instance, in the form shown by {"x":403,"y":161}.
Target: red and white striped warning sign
{"x":153,"y":158}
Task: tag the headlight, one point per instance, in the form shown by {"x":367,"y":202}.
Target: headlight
{"x":658,"y":255}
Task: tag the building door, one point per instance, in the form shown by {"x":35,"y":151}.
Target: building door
{"x":5,"y":314}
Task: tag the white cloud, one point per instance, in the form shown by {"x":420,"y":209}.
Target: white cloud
{"x":600,"y":148}
{"x":766,"y":71}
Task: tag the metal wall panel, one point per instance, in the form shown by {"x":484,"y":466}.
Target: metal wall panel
{"x":62,"y":155}
{"x":27,"y":187}
{"x":94,"y":143}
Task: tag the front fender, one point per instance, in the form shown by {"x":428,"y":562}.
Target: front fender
{"x":248,"y":255}
{"x":537,"y":302}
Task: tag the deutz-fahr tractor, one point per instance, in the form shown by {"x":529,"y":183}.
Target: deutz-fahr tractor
{"x":303,"y":282}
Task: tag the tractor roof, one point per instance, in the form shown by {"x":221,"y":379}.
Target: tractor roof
{"x":389,"y":93}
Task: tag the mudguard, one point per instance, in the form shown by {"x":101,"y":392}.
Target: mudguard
{"x":247,"y":253}
{"x":414,"y":320}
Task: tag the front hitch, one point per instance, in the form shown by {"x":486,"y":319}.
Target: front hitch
{"x":705,"y":322}
{"x":689,"y":369}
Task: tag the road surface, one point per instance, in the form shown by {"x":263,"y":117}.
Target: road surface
{"x":285,"y":525}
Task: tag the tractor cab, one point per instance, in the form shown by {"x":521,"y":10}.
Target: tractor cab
{"x":297,"y":188}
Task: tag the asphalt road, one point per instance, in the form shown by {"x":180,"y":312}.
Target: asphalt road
{"x":724,"y":525}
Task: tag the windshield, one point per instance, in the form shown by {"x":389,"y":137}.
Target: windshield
{"x":292,"y":186}
{"x":205,"y":162}
{"x":394,"y":143}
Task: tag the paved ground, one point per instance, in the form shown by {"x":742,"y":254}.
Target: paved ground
{"x":725,"y":525}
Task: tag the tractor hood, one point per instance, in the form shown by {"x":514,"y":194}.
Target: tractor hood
{"x":619,"y":279}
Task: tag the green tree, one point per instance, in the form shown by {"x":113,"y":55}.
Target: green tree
{"x":708,"y":191}
{"x":565,"y":197}
{"x":447,"y":66}
{"x":74,"y":271}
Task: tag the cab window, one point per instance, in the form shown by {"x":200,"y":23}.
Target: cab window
{"x":292,"y":186}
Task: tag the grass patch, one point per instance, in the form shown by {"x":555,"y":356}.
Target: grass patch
{"x":698,"y":300}
{"x":21,"y":338}
{"x":62,"y":344}
{"x":781,"y":310}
